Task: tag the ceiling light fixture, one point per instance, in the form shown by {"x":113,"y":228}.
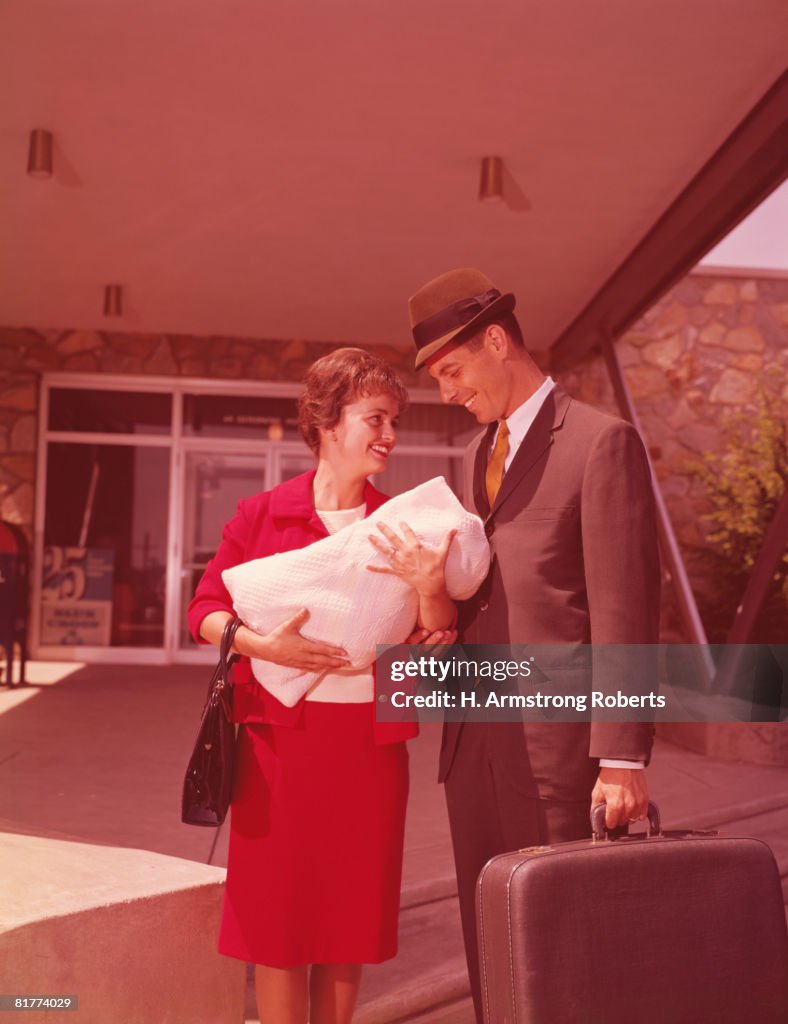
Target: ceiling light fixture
{"x":491,"y":182}
{"x":113,"y":300}
{"x":39,"y":154}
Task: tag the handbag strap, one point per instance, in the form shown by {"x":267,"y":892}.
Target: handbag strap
{"x":219,"y":687}
{"x":226,"y":658}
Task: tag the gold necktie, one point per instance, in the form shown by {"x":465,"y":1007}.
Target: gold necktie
{"x":495,"y":467}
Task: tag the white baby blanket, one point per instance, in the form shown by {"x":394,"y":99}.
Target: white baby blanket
{"x":349,"y":605}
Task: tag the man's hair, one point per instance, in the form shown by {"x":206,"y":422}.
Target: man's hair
{"x":508,"y":321}
{"x":336,"y":380}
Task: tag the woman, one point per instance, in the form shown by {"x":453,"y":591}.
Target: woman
{"x":317,"y":818}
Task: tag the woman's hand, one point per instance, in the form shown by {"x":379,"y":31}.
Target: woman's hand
{"x":420,"y":565}
{"x":286,"y":646}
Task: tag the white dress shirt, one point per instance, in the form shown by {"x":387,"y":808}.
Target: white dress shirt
{"x":519,"y":423}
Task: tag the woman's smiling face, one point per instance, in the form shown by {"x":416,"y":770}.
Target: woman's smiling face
{"x":365,"y":435}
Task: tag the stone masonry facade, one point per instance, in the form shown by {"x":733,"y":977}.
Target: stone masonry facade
{"x":700,"y":355}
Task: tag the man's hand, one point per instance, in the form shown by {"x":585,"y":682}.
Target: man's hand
{"x":439,"y":636}
{"x":625,"y":794}
{"x":441,"y":640}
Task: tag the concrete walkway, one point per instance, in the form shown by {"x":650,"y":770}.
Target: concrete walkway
{"x":96,"y":754}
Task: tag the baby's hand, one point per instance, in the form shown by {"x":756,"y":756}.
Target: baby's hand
{"x":420,"y":565}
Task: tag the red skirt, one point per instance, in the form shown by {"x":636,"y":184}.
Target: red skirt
{"x":316,"y":837}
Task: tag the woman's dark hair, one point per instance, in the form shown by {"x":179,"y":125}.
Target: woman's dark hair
{"x":336,"y":380}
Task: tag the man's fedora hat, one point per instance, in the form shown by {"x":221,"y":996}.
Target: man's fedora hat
{"x":450,"y":307}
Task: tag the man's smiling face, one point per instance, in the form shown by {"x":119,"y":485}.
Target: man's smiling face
{"x":473,"y":375}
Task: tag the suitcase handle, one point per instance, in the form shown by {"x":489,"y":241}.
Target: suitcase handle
{"x":598,"y":830}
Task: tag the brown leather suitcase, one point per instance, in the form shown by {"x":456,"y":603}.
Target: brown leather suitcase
{"x":668,"y":928}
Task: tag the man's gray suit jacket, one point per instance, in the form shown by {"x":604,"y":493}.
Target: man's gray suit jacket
{"x":575,"y":562}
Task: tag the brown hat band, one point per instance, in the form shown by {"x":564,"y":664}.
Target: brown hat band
{"x":454,"y":316}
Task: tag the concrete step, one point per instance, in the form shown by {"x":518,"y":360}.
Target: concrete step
{"x":458,"y":1012}
{"x":122,"y":930}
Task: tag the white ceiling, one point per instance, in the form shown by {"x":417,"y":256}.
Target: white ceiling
{"x":296,"y":168}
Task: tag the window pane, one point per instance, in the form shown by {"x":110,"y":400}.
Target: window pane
{"x":437,"y":424}
{"x":405,"y":471}
{"x":240,"y":416}
{"x":294,"y":465}
{"x":109,"y":412}
{"x":105,"y":545}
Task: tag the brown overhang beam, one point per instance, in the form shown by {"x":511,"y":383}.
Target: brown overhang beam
{"x":747,"y":167}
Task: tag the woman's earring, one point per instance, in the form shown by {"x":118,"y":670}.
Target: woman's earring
{"x":333,"y":435}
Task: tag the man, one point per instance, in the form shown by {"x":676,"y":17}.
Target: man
{"x":565,"y":493}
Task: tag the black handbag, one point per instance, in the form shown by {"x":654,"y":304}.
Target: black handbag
{"x":207,"y":787}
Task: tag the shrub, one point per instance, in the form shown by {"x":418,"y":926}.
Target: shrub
{"x":744,"y":484}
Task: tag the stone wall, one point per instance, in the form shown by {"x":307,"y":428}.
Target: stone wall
{"x":699,"y":355}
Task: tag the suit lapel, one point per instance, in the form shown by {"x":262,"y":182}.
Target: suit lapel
{"x":536,"y":441}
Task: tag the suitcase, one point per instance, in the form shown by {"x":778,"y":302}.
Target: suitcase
{"x":658,"y":927}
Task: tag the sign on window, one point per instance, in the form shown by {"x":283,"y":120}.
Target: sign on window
{"x":76,"y":596}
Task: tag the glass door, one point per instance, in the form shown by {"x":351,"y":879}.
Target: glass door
{"x":213,"y":484}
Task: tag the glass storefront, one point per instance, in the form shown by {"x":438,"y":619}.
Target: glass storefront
{"x":139,"y":477}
